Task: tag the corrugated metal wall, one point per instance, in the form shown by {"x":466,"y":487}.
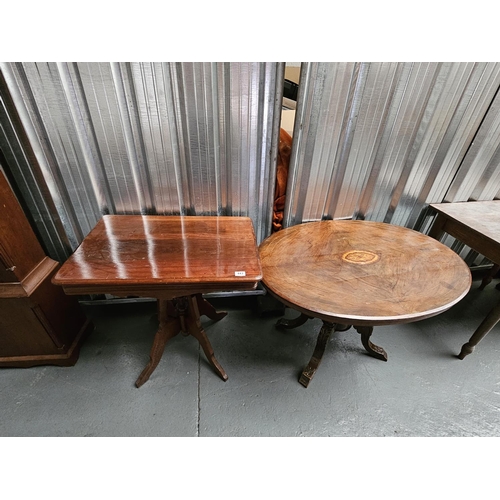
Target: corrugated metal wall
{"x":18,"y":154}
{"x":379,"y":141}
{"x":375,"y":141}
{"x":145,"y":138}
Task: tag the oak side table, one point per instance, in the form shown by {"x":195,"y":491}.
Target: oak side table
{"x":174,"y":259}
{"x":477,"y":224}
{"x":361,"y":274}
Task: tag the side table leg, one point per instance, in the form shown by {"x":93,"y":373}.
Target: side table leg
{"x":373,"y":350}
{"x":483,"y":329}
{"x":436,"y":230}
{"x":310,"y":369}
{"x":169,"y":327}
{"x":196,"y":330}
{"x":489,"y":276}
{"x":207,"y":309}
{"x":292,"y":323}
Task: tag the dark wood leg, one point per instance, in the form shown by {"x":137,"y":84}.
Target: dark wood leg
{"x":483,"y":329}
{"x":319,"y":350}
{"x":437,"y":228}
{"x":169,"y":327}
{"x":207,"y":309}
{"x":373,"y":350}
{"x":489,"y":276}
{"x":292,"y":323}
{"x":196,"y":330}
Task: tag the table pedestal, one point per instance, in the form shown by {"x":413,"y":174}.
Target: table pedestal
{"x":324,"y":334}
{"x":177,"y":315}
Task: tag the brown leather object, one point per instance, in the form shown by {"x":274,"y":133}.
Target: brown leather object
{"x":284,"y":152}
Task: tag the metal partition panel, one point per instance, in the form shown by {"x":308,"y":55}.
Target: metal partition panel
{"x":149,"y":138}
{"x":479,"y":175}
{"x":380,"y":141}
{"x":375,"y":141}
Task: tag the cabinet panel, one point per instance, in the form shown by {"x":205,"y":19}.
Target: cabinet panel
{"x":62,"y":312}
{"x":19,"y":247}
{"x":39,"y":323}
{"x":21,"y":331}
{"x":6,"y":274}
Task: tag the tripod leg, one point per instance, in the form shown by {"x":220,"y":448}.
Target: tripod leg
{"x":373,"y":350}
{"x":207,"y":309}
{"x":319,"y":350}
{"x":292,"y":323}
{"x":169,"y":327}
{"x":196,"y":330}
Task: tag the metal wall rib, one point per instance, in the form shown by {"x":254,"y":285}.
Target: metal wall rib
{"x":146,"y":138}
{"x":380,"y":141}
{"x":375,"y":141}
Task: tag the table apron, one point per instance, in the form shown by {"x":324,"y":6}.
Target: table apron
{"x":477,"y":241}
{"x":157,"y":292}
{"x":369,"y":321}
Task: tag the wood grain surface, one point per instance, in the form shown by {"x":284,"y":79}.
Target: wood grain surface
{"x":476,"y":223}
{"x":362,"y":273}
{"x":133,"y":253}
{"x":19,"y":254}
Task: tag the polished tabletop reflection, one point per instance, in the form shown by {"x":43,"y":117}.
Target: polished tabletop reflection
{"x":162,"y":250}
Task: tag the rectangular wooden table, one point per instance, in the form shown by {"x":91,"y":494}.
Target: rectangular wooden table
{"x":171,"y":258}
{"x":477,"y":224}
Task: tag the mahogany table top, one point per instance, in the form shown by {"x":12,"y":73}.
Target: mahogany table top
{"x":362,"y":273}
{"x":163,"y":256}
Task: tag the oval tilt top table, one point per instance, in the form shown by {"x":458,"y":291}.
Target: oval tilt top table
{"x":361,"y":274}
{"x":171,"y":258}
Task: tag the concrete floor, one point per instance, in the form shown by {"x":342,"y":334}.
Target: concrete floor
{"x":423,"y":389}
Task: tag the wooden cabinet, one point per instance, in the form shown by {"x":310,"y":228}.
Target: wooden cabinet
{"x":39,"y":323}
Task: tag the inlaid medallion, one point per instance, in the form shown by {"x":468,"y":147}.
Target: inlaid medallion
{"x":360,"y":257}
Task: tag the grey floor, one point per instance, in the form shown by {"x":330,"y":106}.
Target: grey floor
{"x":423,"y":389}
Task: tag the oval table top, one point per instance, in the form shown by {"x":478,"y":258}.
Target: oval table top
{"x":362,"y":272}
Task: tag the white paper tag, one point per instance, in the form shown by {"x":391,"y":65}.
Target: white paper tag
{"x":240,"y":273}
